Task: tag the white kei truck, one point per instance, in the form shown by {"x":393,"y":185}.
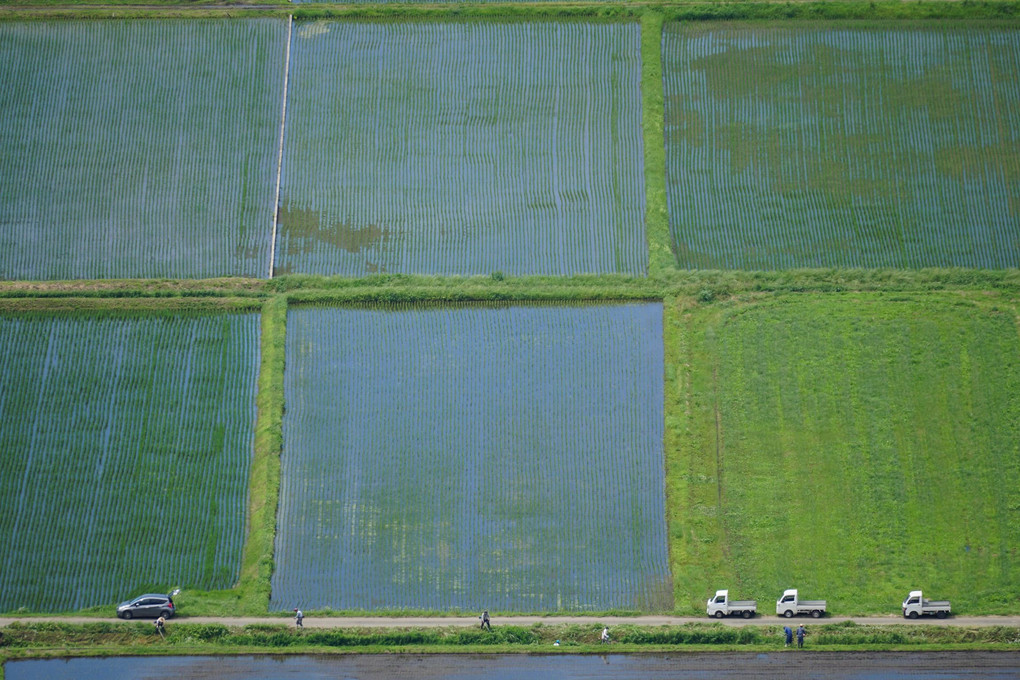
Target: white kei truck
{"x":790,"y":605}
{"x":721,"y":605}
{"x":915,"y":605}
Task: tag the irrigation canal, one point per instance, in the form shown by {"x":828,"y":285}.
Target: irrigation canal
{"x":722,"y":666}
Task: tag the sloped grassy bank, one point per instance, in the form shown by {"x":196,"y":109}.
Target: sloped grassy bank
{"x":39,"y":640}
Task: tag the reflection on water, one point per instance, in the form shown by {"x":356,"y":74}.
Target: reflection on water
{"x":828,"y":665}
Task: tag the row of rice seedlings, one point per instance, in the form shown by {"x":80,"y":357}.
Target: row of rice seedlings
{"x":517,"y":148}
{"x":124,"y":454}
{"x":869,"y":147}
{"x":123,"y":134}
{"x":472,"y":457}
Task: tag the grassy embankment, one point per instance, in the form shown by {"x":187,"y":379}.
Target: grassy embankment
{"x":855,"y":446}
{"x":44,"y":640}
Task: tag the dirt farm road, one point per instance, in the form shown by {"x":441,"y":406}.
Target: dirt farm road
{"x":450,"y":621}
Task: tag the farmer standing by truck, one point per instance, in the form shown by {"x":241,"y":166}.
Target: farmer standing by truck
{"x":800,"y":636}
{"x":789,"y":635}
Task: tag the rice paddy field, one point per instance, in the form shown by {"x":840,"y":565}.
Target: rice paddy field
{"x":463,"y":148}
{"x":853,"y":446}
{"x":507,"y":458}
{"x":794,"y":144}
{"x":631,"y":439}
{"x":118,"y":135}
{"x":124,"y":454}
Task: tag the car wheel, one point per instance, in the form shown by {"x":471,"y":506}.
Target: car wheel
{"x":815,"y":614}
{"x":788,"y":613}
{"x":127,"y":614}
{"x":718,"y":615}
{"x":165,"y":614}
{"x":914,"y":615}
{"x":747,"y":614}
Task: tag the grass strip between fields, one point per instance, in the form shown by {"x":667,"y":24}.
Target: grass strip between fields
{"x":660,"y":251}
{"x":264,"y":488}
{"x":243,"y":294}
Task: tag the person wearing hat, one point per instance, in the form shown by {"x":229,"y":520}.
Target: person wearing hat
{"x":299,"y":617}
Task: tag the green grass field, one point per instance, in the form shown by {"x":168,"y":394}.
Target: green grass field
{"x":853,"y":446}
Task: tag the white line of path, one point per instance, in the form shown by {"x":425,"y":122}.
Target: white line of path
{"x":455,"y":621}
{"x":279,"y":155}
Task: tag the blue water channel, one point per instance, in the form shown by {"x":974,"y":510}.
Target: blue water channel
{"x":829,"y":665}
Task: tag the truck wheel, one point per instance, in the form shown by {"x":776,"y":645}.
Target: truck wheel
{"x":941,"y":615}
{"x":747,"y":614}
{"x":719,"y":614}
{"x":913,"y":615}
{"x":815,"y":614}
{"x":788,"y":613}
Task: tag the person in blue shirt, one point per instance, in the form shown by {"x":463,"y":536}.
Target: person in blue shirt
{"x":789,"y":635}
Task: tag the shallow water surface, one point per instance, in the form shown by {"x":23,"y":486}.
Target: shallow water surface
{"x":840,"y":666}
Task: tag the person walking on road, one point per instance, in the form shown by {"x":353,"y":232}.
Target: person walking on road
{"x":485,"y":620}
{"x":800,"y":636}
{"x":299,"y":618}
{"x":789,"y":635}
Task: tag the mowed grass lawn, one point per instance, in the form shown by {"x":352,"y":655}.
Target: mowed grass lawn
{"x":853,"y":446}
